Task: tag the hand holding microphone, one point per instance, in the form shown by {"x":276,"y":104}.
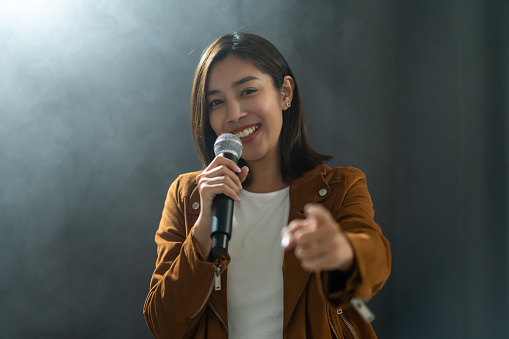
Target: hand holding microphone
{"x":227,"y":146}
{"x":219,"y":184}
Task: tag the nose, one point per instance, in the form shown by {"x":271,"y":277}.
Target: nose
{"x":235,"y":112}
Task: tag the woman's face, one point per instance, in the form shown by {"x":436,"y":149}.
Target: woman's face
{"x":243,"y":100}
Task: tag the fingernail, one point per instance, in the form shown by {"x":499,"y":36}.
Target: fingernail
{"x":285,"y":241}
{"x":237,"y":169}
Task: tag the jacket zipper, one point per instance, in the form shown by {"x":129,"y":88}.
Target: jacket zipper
{"x":215,"y":282}
{"x":330,"y":323}
{"x":217,"y":277}
{"x":220,"y":319}
{"x":350,"y":327}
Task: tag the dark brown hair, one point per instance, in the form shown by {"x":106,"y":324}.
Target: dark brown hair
{"x":297,"y":157}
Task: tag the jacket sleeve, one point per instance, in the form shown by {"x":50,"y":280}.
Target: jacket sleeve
{"x":182,"y":280}
{"x":354,"y":213}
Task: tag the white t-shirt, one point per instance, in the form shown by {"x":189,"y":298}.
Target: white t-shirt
{"x":255,"y":278}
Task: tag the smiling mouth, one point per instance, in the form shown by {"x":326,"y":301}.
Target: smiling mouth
{"x":247,"y":132}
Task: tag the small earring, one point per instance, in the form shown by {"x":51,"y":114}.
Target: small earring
{"x":289,"y":104}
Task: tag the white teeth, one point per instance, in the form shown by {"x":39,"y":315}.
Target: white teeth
{"x":246,"y":132}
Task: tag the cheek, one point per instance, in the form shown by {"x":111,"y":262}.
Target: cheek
{"x":275,"y":116}
{"x":215,"y":122}
{"x":270,"y":111}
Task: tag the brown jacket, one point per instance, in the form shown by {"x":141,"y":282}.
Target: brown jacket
{"x":183,"y":303}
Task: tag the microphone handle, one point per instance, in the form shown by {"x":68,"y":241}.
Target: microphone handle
{"x":221,"y":228}
{"x":222,"y":215}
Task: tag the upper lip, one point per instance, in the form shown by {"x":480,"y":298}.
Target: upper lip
{"x":240,"y":129}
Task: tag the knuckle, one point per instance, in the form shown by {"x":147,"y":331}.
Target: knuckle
{"x":298,"y":236}
{"x":336,"y":240}
{"x":310,"y":265}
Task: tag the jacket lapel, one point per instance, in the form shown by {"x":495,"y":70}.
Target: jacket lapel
{"x":294,"y":278}
{"x":310,"y":188}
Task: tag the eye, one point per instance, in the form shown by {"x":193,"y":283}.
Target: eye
{"x":248,"y":91}
{"x":215,"y":102}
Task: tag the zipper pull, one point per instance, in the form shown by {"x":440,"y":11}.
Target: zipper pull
{"x":362,"y":309}
{"x":217,"y":277}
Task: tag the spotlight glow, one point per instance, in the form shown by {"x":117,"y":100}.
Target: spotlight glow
{"x":29,"y":12}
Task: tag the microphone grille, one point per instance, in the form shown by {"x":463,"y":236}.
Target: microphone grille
{"x":228,"y":143}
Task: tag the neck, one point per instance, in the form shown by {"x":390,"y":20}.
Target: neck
{"x":265,"y":177}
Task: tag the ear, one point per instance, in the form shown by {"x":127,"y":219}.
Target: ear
{"x":287,"y":92}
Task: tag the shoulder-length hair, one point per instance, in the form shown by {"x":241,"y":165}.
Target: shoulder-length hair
{"x":296,"y":156}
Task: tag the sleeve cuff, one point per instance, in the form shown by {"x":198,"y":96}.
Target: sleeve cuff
{"x":338,"y":287}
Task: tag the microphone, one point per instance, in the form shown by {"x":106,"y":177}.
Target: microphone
{"x":229,"y":146}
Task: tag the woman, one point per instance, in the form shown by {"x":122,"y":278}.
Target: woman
{"x":276,"y":281}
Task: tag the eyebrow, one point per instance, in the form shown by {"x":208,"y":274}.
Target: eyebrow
{"x":235,"y":84}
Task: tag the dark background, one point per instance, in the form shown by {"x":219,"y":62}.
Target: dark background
{"x":94,"y":127}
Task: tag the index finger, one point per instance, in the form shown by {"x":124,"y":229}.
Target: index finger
{"x":319,"y":213}
{"x":288,"y":233}
{"x":222,"y":161}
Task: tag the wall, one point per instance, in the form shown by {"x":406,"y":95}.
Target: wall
{"x":94,"y":127}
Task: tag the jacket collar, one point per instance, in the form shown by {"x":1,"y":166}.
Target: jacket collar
{"x":310,"y":188}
